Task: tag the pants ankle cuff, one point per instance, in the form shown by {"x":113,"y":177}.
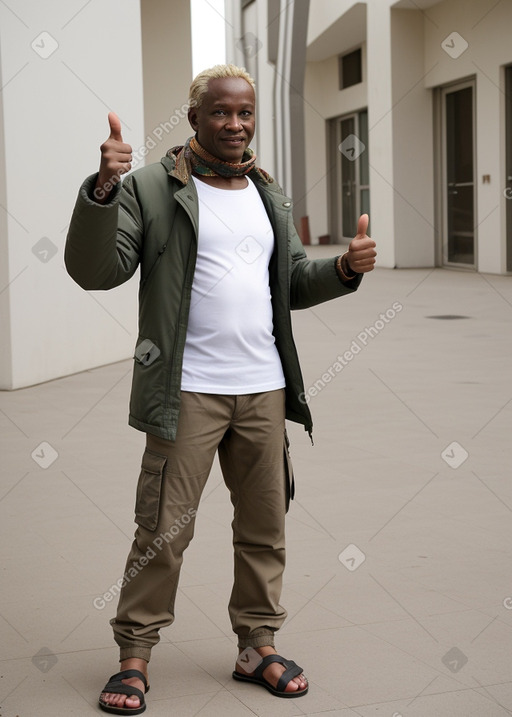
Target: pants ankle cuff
{"x":257,"y":641}
{"x":143,"y":653}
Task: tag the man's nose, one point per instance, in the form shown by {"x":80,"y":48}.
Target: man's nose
{"x":233,"y":123}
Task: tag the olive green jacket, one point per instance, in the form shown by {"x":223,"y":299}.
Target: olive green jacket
{"x":151,"y":220}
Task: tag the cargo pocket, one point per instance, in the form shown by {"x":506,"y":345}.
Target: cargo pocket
{"x":149,"y":488}
{"x":288,"y":471}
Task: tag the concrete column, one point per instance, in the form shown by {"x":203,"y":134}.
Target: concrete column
{"x":167,"y":73}
{"x":413,"y":143}
{"x":234,"y":32}
{"x":62,"y":69}
{"x":5,"y":308}
{"x":289,"y":102}
{"x":380,"y":103}
{"x":251,"y":43}
{"x":490,"y":158}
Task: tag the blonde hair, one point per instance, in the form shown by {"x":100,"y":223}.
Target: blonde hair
{"x":199,"y":86}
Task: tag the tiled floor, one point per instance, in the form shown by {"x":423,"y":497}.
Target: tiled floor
{"x":399,"y":580}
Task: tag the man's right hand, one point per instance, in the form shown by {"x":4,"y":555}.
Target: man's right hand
{"x":116,"y":157}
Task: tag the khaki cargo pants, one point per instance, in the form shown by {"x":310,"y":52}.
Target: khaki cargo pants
{"x":249,"y":433}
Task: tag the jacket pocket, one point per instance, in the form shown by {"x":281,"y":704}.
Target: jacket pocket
{"x":288,"y":472}
{"x":149,"y":489}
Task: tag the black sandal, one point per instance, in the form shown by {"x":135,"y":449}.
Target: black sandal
{"x":117,"y":687}
{"x":292,"y":670}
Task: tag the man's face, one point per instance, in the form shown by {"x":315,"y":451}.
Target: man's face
{"x":225,"y":120}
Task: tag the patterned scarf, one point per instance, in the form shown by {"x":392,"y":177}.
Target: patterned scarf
{"x":197,"y":159}
{"x":206,"y":164}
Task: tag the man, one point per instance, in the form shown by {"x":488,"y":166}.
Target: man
{"x":215,"y":366}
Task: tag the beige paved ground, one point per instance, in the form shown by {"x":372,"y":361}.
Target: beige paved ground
{"x":422,"y":627}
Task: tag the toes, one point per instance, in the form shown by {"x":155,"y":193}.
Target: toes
{"x":118,"y":700}
{"x":298,"y":683}
{"x":293,"y":685}
{"x":132,"y":702}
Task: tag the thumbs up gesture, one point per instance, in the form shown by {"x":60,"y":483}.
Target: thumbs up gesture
{"x":361,"y":251}
{"x":116,"y":157}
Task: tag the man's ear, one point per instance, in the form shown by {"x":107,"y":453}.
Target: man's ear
{"x":192,"y":118}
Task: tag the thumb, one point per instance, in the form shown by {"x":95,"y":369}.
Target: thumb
{"x":115,"y":126}
{"x":362,"y":225}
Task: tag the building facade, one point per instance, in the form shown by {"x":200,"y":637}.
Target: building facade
{"x":405,"y":113}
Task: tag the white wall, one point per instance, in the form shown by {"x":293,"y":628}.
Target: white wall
{"x":57,"y":91}
{"x":324,"y":13}
{"x":55,"y":117}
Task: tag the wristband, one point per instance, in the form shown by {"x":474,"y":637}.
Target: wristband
{"x":342,"y":267}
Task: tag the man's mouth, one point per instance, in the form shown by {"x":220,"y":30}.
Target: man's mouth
{"x":234,"y":140}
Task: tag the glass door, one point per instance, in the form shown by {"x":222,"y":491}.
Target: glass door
{"x":458,"y":170}
{"x":350,"y":188}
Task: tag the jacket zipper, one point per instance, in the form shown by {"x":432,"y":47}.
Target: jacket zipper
{"x":144,"y":281}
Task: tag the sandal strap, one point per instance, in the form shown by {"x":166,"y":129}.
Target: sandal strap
{"x":127,"y":674}
{"x":115,"y":685}
{"x":265,"y":662}
{"x":292,"y":670}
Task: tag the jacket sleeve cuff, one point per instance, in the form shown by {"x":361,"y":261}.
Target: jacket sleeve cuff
{"x":352,"y":281}
{"x":87,"y":190}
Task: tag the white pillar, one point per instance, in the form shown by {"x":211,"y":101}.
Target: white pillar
{"x":380,"y":102}
{"x":413,"y":143}
{"x":289,"y":102}
{"x":167,"y":73}
{"x":61,"y":70}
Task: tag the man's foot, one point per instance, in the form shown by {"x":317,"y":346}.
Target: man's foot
{"x":127,"y":702}
{"x":273,"y":672}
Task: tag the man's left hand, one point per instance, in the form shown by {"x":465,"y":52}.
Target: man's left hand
{"x":361,"y":251}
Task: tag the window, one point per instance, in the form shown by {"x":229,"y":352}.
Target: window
{"x":350,"y":69}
